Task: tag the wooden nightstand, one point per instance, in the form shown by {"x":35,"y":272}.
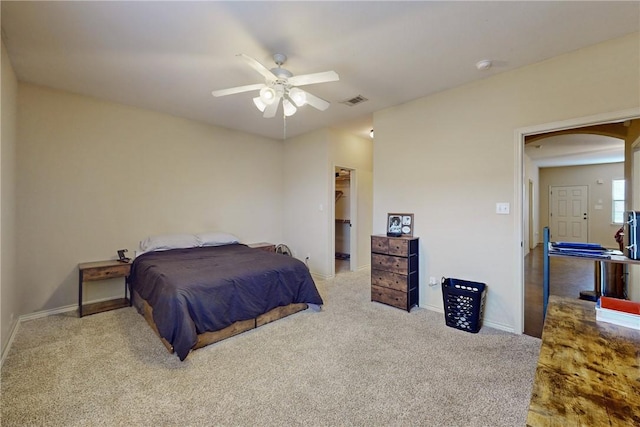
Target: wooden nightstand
{"x":102,"y":270}
{"x":264,"y":246}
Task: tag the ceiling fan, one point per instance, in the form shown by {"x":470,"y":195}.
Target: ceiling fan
{"x":281,"y":84}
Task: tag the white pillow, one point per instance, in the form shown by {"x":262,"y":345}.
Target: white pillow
{"x":216,"y":238}
{"x":165,"y":242}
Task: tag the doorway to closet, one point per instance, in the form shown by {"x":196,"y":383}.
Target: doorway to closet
{"x":344,"y":198}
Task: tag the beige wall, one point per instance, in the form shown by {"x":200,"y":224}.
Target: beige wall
{"x":531,"y":175}
{"x":449,"y":158}
{"x":95,"y":177}
{"x":10,"y":305}
{"x":631,"y":168}
{"x":601,"y":230}
{"x":356,"y":153}
{"x":309,"y":196}
{"x":307,"y":211}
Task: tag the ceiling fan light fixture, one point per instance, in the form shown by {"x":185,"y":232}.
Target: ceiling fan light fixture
{"x":267,"y":95}
{"x":280,"y":83}
{"x":298,"y":96}
{"x":289,"y":108}
{"x":261,"y":105}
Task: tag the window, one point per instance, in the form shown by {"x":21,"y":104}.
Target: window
{"x":617,"y":195}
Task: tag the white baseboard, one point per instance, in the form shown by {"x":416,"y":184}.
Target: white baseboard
{"x":5,"y":350}
{"x":317,"y":276}
{"x":499,"y":326}
{"x":45,"y":313}
{"x":38,"y":315}
{"x":494,"y":325}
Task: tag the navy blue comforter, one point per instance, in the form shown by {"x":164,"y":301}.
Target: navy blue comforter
{"x":206,"y":289}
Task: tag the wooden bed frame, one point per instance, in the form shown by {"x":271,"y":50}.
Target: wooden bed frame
{"x":236,"y":328}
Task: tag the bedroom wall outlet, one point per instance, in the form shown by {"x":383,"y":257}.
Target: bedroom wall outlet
{"x":432,"y":281}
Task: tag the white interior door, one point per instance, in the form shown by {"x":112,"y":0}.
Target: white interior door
{"x":568,"y":215}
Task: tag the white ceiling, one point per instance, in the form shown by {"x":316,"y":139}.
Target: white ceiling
{"x":169,"y":56}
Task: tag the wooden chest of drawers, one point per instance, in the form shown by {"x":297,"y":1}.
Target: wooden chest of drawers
{"x":394,"y":271}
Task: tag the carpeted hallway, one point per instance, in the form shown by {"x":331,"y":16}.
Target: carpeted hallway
{"x":353,"y":363}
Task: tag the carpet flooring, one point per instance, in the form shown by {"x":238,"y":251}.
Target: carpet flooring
{"x":354,"y":363}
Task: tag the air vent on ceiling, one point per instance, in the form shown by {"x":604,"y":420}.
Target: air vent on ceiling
{"x":354,"y":101}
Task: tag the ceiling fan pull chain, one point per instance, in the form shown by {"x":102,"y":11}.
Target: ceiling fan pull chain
{"x":284,"y":127}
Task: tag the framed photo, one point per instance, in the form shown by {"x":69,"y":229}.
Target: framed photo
{"x":399,"y":224}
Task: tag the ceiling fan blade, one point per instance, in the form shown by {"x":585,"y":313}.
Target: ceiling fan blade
{"x":271,"y":109}
{"x":309,"y":79}
{"x":259,"y":67}
{"x":239,"y":89}
{"x":317,"y":102}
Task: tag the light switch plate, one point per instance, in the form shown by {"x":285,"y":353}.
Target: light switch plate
{"x":502,"y":208}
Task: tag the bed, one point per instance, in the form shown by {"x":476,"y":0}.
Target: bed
{"x":194,"y":296}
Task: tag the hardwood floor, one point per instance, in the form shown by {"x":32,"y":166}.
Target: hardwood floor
{"x":568,"y":277}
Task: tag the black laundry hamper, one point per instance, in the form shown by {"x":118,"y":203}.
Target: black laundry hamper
{"x":463,"y":303}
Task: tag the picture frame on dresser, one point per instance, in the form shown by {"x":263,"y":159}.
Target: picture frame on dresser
{"x":399,"y":224}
